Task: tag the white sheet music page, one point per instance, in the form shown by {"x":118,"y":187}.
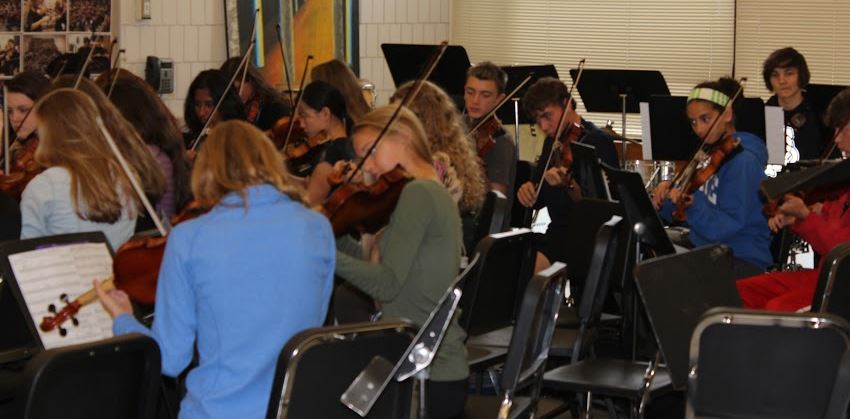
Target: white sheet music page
{"x":45,"y":274}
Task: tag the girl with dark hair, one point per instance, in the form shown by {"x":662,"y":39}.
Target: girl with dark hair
{"x":159,"y":130}
{"x":727,"y":208}
{"x":204,"y":93}
{"x":23,"y":91}
{"x":339,"y":75}
{"x":786,"y":74}
{"x":322,"y":112}
{"x":263,"y":105}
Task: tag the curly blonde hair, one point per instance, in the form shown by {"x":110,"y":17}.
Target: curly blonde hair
{"x":445,"y":130}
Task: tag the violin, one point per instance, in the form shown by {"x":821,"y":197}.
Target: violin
{"x":702,"y":167}
{"x":135,"y":270}
{"x":360,"y":208}
{"x":301,"y":149}
{"x":573,"y":132}
{"x":484,"y":140}
{"x":354,"y":207}
{"x":22,"y":170}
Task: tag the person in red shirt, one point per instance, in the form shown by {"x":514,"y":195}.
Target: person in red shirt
{"x":824,"y":225}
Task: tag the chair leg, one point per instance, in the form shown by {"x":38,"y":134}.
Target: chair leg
{"x":589,"y":406}
{"x":612,"y":412}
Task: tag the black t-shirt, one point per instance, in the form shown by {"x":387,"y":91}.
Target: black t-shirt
{"x":556,"y":199}
{"x":804,"y":130}
{"x":270,"y":113}
{"x":336,"y":150}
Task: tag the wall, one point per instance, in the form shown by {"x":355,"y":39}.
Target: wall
{"x":191,"y":32}
{"x":397,"y":21}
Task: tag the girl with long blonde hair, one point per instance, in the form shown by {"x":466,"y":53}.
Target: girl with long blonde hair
{"x":239,"y":281}
{"x":417,"y":255}
{"x":83,"y":187}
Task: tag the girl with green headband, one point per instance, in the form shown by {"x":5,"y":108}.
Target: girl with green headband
{"x":727,"y":208}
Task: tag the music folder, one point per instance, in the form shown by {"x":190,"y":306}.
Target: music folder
{"x":829,"y":173}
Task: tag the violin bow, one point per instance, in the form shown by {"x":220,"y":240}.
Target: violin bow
{"x":297,"y":103}
{"x":279,"y":33}
{"x":829,"y":151}
{"x":560,"y":129}
{"x":5,"y":130}
{"x":677,"y":180}
{"x":85,"y":66}
{"x":254,"y":40}
{"x":134,"y":181}
{"x":232,"y":80}
{"x":113,"y":75}
{"x":504,"y":100}
{"x":221,"y":99}
{"x":411,"y":94}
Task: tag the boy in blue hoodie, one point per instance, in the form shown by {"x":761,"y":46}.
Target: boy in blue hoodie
{"x":727,"y":208}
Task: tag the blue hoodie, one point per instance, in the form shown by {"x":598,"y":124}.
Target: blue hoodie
{"x":727,"y":209}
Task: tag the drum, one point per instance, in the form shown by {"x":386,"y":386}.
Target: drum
{"x":652,"y":172}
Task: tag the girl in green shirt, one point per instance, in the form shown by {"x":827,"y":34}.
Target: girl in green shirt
{"x":415,"y":258}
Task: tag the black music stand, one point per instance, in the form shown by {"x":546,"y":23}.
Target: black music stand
{"x":20,"y":339}
{"x":819,"y":95}
{"x":676,"y":290}
{"x":516,"y":74}
{"x":618,"y":91}
{"x":407,"y":60}
{"x":587,"y":168}
{"x":670,"y":132}
{"x":750,"y":117}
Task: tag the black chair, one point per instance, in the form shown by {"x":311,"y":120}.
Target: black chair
{"x":491,"y":218}
{"x":758,"y":364}
{"x":585,"y":218}
{"x":832,"y":294}
{"x":492,"y":292}
{"x":528,"y":350}
{"x":112,"y":378}
{"x":317,"y":365}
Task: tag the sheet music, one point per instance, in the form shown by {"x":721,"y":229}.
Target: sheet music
{"x":774,"y":121}
{"x":646,"y":132}
{"x":44,"y":274}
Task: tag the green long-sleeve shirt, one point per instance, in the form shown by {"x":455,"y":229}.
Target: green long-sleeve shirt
{"x":420,"y":254}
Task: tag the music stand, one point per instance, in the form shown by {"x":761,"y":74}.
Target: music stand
{"x":638,"y":210}
{"x":819,"y":95}
{"x":20,"y":339}
{"x":676,"y":290}
{"x":586,"y":167}
{"x":750,"y":117}
{"x":406,"y":61}
{"x":672,"y":136}
{"x":618,"y":91}
{"x":516,"y":74}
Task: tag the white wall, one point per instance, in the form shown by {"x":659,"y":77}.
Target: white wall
{"x":191,"y":32}
{"x":397,"y":21}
